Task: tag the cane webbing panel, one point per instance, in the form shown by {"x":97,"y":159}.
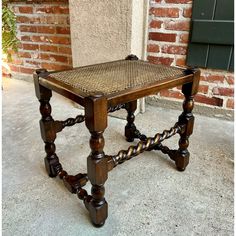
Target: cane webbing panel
{"x":116,"y":76}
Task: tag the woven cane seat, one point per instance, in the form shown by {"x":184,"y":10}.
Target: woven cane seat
{"x":113,"y":77}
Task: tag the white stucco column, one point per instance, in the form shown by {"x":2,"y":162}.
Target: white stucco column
{"x":107,"y":30}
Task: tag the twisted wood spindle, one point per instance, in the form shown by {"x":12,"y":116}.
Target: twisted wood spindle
{"x":142,"y":146}
{"x":60,"y":125}
{"x":164,"y":149}
{"x":116,"y":108}
{"x":75,"y":183}
{"x":73,"y":121}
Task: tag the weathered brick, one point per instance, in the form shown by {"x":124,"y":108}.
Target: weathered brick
{"x":27,"y":19}
{"x":162,"y":37}
{"x":153,"y":48}
{"x":26,"y":9}
{"x":48,"y":48}
{"x":50,"y":66}
{"x":203,"y":88}
{"x":51,"y":39}
{"x":59,"y":40}
{"x":39,"y":33}
{"x":230,"y":103}
{"x":26,"y":70}
{"x":62,"y":30}
{"x":44,"y":1}
{"x":213,"y":78}
{"x":156,"y":24}
{"x":184,"y":38}
{"x":181,"y":61}
{"x":28,"y":28}
{"x":25,"y":38}
{"x":46,"y":29}
{"x":173,"y":49}
{"x":55,"y":19}
{"x":54,"y":58}
{"x":230,"y":79}
{"x":30,"y":46}
{"x":15,"y":9}
{"x":35,"y":54}
{"x":20,"y":46}
{"x":209,"y":100}
{"x":33,"y":64}
{"x":177,"y":25}
{"x":44,"y":56}
{"x":23,"y":54}
{"x":160,"y":60}
{"x":64,"y":50}
{"x":178,"y":1}
{"x":223,"y":91}
{"x":172,"y":94}
{"x":37,"y":38}
{"x":187,"y":12}
{"x":70,"y":61}
{"x":53,"y":9}
{"x":45,"y":9}
{"x":165,"y":12}
{"x":22,"y":19}
{"x":17,"y":61}
{"x":14,"y":68}
{"x":59,"y":19}
{"x":61,"y":9}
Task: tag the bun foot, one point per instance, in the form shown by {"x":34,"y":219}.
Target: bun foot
{"x":130,"y":140}
{"x":180,"y":169}
{"x":98,"y":225}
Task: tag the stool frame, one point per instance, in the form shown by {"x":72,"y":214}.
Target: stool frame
{"x":97,"y":107}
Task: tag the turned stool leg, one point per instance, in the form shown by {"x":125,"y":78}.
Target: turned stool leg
{"x":130,"y":127}
{"x":48,"y":133}
{"x":96,"y":122}
{"x":187,"y":119}
{"x":131,"y":132}
{"x":130,"y":107}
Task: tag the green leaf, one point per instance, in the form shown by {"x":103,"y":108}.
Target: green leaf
{"x":9,"y":31}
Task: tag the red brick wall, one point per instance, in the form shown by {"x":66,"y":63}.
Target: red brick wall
{"x":44,"y":34}
{"x":169,"y":24}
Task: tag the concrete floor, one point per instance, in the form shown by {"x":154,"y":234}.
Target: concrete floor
{"x":146,"y":195}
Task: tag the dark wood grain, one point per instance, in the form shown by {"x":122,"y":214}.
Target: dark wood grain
{"x":140,"y":147}
{"x":96,"y":122}
{"x":117,"y":98}
{"x":97,"y":107}
{"x":187,"y":119}
{"x":131,"y":132}
{"x":48,"y":132}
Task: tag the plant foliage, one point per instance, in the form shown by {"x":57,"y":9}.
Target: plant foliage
{"x":9,"y":32}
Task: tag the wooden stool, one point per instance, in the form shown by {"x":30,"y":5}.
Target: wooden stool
{"x":105,"y":88}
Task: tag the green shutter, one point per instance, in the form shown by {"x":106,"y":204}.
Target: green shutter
{"x":212,"y":35}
